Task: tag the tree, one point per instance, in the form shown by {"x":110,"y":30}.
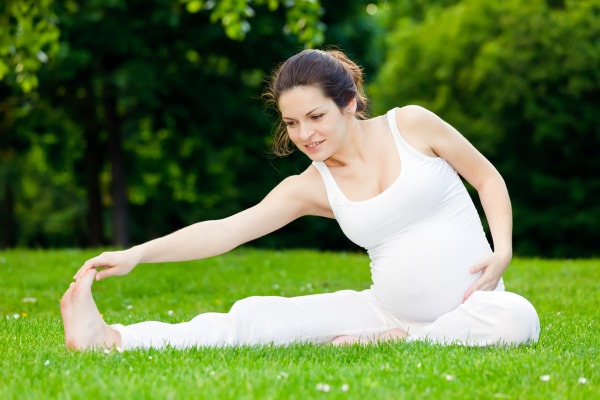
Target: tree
{"x":182,"y":96}
{"x":28,"y":39}
{"x":521,"y":80}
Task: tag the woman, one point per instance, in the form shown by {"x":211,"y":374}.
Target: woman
{"x":392,"y":184}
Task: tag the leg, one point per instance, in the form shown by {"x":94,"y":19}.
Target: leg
{"x":84,"y":327}
{"x":270,"y":320}
{"x":486,"y":318}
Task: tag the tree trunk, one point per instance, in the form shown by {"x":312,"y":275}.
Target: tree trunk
{"x":119,"y":185}
{"x":9,"y":236}
{"x":93,"y":164}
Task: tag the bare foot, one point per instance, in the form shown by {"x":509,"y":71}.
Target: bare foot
{"x":84,"y":326}
{"x":393,"y":334}
{"x":346,"y":340}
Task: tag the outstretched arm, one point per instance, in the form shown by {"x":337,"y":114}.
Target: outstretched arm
{"x":287,"y":202}
{"x":435,"y":136}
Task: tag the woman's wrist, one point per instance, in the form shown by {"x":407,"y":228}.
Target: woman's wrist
{"x":505,"y":253}
{"x":137,"y":253}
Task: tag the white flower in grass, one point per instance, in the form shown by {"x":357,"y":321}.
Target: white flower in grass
{"x":323,"y":387}
{"x":106,"y":351}
{"x":170,"y":312}
{"x":29,"y":300}
{"x":582,"y":380}
{"x":282,"y":375}
{"x":130,"y":307}
{"x":47,"y":362}
{"x":16,"y":316}
{"x":345,"y":387}
{"x":449,"y":377}
{"x":119,"y":349}
{"x":545,"y":378}
{"x":149,"y":357}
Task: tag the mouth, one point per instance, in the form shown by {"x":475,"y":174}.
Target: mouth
{"x":314,"y":144}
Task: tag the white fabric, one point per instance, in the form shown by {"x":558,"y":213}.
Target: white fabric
{"x":486,"y":318}
{"x":422,"y":234}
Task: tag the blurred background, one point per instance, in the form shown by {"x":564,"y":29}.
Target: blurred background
{"x":123,"y":120}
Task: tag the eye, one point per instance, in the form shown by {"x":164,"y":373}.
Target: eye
{"x":316,"y":117}
{"x":289,"y":123}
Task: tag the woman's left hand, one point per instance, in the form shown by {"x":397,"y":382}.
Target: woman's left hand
{"x":492,"y":267}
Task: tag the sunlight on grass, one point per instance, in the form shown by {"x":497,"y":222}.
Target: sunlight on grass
{"x":35,"y":364}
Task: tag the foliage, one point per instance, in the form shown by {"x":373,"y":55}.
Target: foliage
{"x":33,"y":28}
{"x":28,"y":38}
{"x":302,"y":16}
{"x":149,"y":112}
{"x":521,"y":80}
{"x":36,"y":365}
{"x":181,"y":96}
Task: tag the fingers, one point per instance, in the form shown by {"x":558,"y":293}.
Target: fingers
{"x":470,"y":291}
{"x":88,"y":277}
{"x":480,"y":266}
{"x":479,"y":284}
{"x":105,"y":273}
{"x":483,"y":283}
{"x":491,"y":272}
{"x":97,"y":262}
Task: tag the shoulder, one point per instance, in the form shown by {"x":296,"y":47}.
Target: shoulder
{"x":307,"y":190}
{"x":299,"y":183}
{"x":420,"y":127}
{"x":417,"y":117}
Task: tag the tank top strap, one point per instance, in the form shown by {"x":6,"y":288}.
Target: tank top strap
{"x":404,"y":148}
{"x":333,"y":191}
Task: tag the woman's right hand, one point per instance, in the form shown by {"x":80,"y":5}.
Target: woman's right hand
{"x":112,"y":263}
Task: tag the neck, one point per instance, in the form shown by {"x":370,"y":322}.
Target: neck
{"x":354,"y":147}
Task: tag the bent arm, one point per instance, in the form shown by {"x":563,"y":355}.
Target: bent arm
{"x":431,"y":135}
{"x":488,"y":182}
{"x":435,"y":137}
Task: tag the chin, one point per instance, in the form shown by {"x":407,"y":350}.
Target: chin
{"x":317,"y":157}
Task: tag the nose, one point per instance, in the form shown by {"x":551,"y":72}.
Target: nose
{"x":306,"y":131}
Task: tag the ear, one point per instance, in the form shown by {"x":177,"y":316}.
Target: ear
{"x":351,"y":106}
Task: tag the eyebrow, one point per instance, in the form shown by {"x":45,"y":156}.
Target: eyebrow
{"x":307,"y":114}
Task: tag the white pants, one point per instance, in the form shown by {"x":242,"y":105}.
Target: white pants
{"x":486,"y":318}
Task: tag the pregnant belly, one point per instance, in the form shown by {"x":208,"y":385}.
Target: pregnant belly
{"x":421,"y":284}
{"x":420,"y":299}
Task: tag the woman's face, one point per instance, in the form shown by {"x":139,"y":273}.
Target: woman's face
{"x":314,"y":122}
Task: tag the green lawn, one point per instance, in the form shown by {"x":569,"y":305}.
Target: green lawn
{"x":34,"y":364}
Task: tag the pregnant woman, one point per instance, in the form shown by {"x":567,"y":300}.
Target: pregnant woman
{"x":393,"y":184}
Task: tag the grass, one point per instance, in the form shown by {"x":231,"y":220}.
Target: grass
{"x":34,"y":363}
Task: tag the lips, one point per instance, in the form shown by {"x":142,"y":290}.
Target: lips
{"x":314,"y":144}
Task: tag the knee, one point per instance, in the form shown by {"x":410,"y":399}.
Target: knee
{"x":252,"y":319}
{"x":517,"y":321}
{"x":525,"y":319}
{"x":251,"y":307}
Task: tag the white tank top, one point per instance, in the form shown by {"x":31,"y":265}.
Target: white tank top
{"x":422,"y":234}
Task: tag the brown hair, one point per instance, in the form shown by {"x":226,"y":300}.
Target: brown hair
{"x":332,"y":71}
